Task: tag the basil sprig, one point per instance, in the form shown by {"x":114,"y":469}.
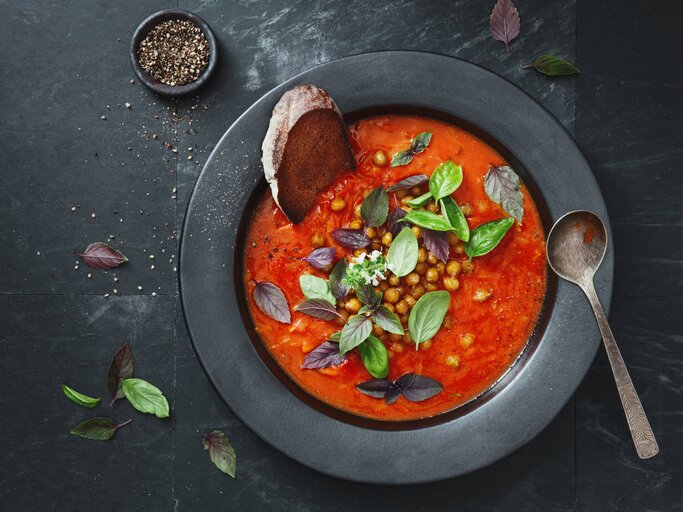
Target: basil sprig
{"x":375,"y":358}
{"x":486,"y":237}
{"x":445,"y":180}
{"x":375,"y":208}
{"x":455,"y":217}
{"x":417,"y":145}
{"x":403,"y":253}
{"x":427,"y":315}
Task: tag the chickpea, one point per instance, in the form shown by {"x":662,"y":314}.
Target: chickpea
{"x":381,"y":230}
{"x":406,"y":199}
{"x":395,"y":337}
{"x":481,"y":295}
{"x":412,"y":279}
{"x":358,"y":252}
{"x":403,"y":319}
{"x":418,"y":291}
{"x":451,"y":283}
{"x":410,"y":300}
{"x":383,"y":286}
{"x":387,"y":238}
{"x":402,"y":290}
{"x":452,"y":239}
{"x":441,"y":267}
{"x":453,"y":268}
{"x":432,"y":275}
{"x":390,"y":306}
{"x":353,"y":305}
{"x":407,"y":338}
{"x":417,"y":230}
{"x":416,"y":191}
{"x":355,"y":224}
{"x":453,"y":360}
{"x":421,"y":267}
{"x":391,"y":295}
{"x":431,"y":287}
{"x":466,"y":340}
{"x":467,"y":266}
{"x":396,"y":347}
{"x":356,"y":210}
{"x":401,"y":193}
{"x":421,"y":254}
{"x":375,"y":246}
{"x":337,"y":204}
{"x":431,"y":258}
{"x":379,"y":158}
{"x":426,"y":345}
{"x":402,"y":307}
{"x":377,"y":330}
{"x":317,"y":240}
{"x":459,"y":248}
{"x":394,"y":280}
{"x":307,"y":346}
{"x":371,"y":233}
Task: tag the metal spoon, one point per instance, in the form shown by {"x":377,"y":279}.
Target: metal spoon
{"x":576,"y":246}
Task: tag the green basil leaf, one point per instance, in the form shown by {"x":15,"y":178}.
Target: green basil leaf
{"x":80,"y":398}
{"x":221,"y":452}
{"x":427,"y":315}
{"x":445,"y":180}
{"x":145,"y":397}
{"x":484,"y":238}
{"x":335,"y":336}
{"x":455,"y":217}
{"x":428,"y":220}
{"x":388,"y":320}
{"x":315,"y":287}
{"x":402,"y":254}
{"x":553,"y":66}
{"x":338,"y":287}
{"x":503,"y":187}
{"x":355,"y":332}
{"x":402,"y":158}
{"x":99,"y":429}
{"x":420,"y":200}
{"x":420,"y":142}
{"x":375,"y":358}
{"x":375,"y":208}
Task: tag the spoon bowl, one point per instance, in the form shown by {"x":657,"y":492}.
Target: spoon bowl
{"x":576,"y":246}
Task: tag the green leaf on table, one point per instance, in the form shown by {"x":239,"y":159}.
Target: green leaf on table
{"x":445,"y":180}
{"x":375,"y":358}
{"x":553,"y":66}
{"x":427,"y":315}
{"x":355,"y":331}
{"x":146,"y":397}
{"x":455,"y":217}
{"x":486,"y":237}
{"x":221,"y":452}
{"x":315,"y":287}
{"x":403,"y":253}
{"x":428,"y":220}
{"x":375,"y":208}
{"x":503,"y":187}
{"x":80,"y":398}
{"x":99,"y":429}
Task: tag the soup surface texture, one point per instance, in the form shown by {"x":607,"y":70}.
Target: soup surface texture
{"x":491,"y":314}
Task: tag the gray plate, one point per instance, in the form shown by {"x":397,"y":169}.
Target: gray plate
{"x":510,"y":414}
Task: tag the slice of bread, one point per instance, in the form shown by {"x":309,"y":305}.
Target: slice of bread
{"x":305,"y":148}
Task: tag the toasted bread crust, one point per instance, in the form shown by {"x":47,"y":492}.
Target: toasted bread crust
{"x":306,"y":146}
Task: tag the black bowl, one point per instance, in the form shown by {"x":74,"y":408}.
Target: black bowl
{"x":152,"y":21}
{"x":501,"y":420}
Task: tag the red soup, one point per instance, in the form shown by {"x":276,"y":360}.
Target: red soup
{"x":495,"y":296}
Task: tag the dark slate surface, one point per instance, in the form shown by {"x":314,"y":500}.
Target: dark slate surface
{"x":70,"y":66}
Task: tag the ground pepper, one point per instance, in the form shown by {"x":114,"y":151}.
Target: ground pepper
{"x":174,"y":52}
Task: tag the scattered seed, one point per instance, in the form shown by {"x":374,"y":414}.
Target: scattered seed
{"x":128,"y":105}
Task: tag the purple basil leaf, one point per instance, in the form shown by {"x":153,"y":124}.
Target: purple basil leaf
{"x":318,"y":308}
{"x":270,"y":299}
{"x":437,"y":243}
{"x":392,"y":394}
{"x":99,"y":429}
{"x":420,"y":388}
{"x":388,"y":320}
{"x":100,"y":256}
{"x":121,"y":368}
{"x":368,"y":295}
{"x":325,"y":355}
{"x":420,"y":142}
{"x":504,"y":22}
{"x":337,"y":285}
{"x":375,"y":388}
{"x":351,"y":238}
{"x":221,"y":452}
{"x":394,"y":221}
{"x":503,"y":187}
{"x":321,"y":258}
{"x":405,"y":381}
{"x":375,"y":208}
{"x":409,"y":182}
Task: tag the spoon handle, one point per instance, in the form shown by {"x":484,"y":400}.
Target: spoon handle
{"x":643,"y":437}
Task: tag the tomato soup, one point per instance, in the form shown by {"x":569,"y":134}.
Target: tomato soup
{"x":495,"y":298}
